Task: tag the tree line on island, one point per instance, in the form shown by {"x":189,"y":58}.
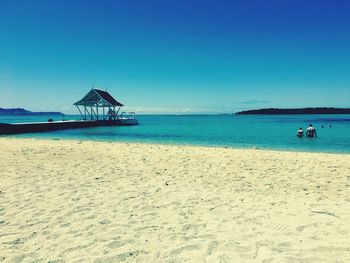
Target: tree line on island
{"x":20,"y":111}
{"x":277,"y":111}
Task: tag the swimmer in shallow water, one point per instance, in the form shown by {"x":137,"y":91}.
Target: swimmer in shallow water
{"x":300,"y":133}
{"x":311,"y":132}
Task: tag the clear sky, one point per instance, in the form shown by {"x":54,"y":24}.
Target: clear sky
{"x":175,"y":56}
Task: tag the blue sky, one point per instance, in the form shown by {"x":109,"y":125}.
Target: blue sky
{"x":175,"y":56}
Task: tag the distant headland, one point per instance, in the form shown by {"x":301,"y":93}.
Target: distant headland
{"x":276,"y":111}
{"x":20,"y":111}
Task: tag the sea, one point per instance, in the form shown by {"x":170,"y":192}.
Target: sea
{"x":273,"y":132}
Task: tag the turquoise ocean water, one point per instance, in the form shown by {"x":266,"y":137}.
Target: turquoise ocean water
{"x":263,"y":132}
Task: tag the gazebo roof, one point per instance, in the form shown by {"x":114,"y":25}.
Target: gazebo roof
{"x":96,"y":98}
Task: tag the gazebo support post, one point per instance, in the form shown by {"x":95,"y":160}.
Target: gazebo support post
{"x":93,"y":112}
{"x":90,"y":114}
{"x":80,"y":112}
{"x":117,"y":113}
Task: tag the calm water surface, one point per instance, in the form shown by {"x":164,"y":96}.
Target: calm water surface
{"x":266,"y":132}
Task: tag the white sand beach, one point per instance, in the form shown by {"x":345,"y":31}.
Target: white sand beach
{"x":79,"y":201}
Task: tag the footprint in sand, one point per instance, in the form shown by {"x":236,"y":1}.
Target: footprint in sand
{"x":212,"y":247}
{"x":124,"y":257}
{"x":178,"y":251}
{"x":116,"y":244}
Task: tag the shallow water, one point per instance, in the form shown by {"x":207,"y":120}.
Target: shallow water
{"x":263,"y":131}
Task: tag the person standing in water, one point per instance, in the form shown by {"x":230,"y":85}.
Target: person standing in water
{"x":300,"y":133}
{"x":311,"y":132}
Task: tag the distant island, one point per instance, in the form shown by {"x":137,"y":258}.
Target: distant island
{"x":20,"y":111}
{"x":276,"y":111}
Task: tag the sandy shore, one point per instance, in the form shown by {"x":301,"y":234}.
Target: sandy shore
{"x":71,"y":201}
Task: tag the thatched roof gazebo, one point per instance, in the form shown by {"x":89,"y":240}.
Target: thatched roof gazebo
{"x":96,"y":99}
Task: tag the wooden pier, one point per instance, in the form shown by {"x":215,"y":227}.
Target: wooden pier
{"x":18,"y":128}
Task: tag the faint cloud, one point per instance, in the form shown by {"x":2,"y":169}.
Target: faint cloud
{"x":69,"y":110}
{"x":249,"y":104}
{"x":252,"y":102}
